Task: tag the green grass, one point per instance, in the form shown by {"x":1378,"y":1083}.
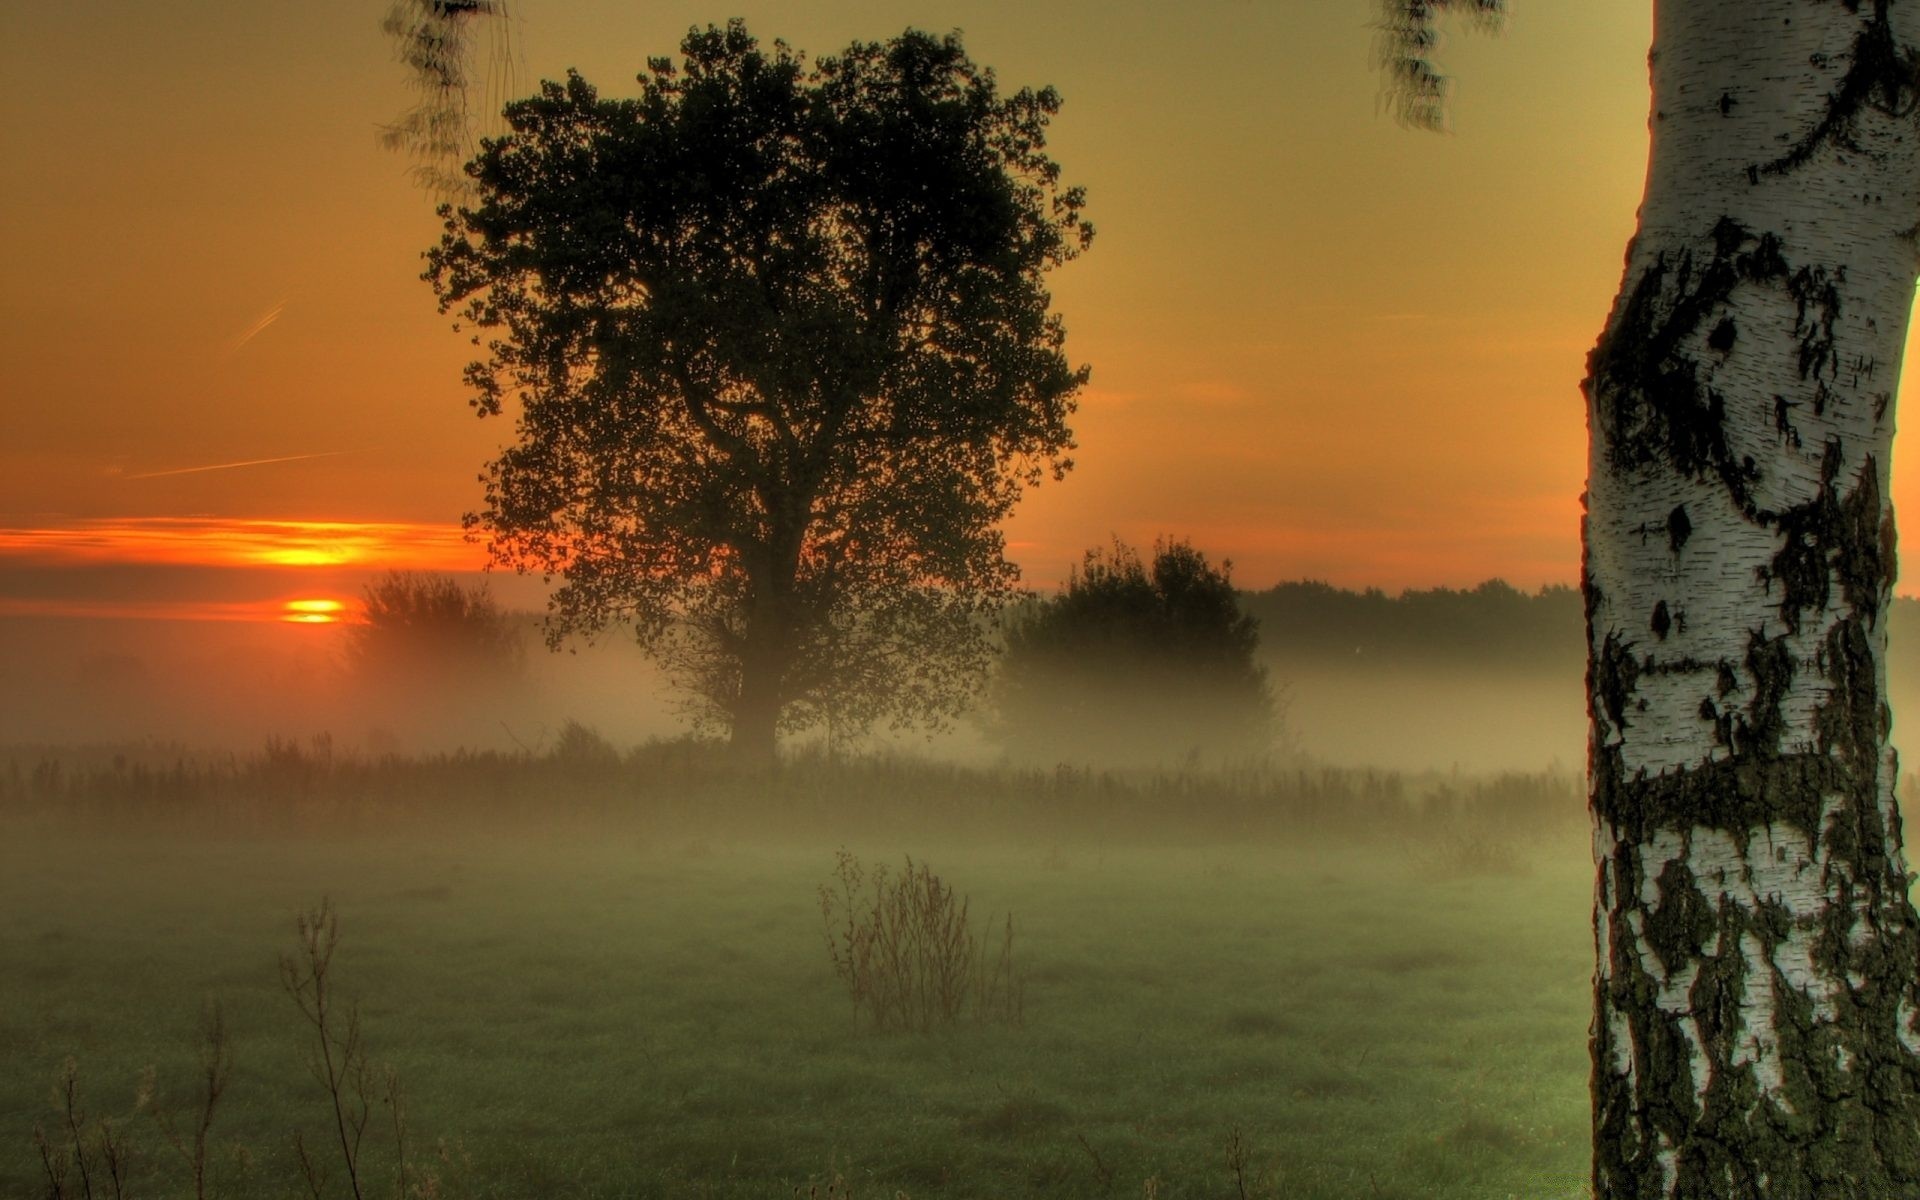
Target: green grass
{"x":621,"y":1011}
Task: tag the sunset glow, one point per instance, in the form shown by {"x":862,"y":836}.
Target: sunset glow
{"x":215,"y":542}
{"x":1321,"y":346}
{"x":247,"y":612}
{"x":314,"y":612}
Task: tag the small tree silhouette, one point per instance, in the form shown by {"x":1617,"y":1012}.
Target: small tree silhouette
{"x":431,"y":657}
{"x":425,"y":627}
{"x":1134,"y":663}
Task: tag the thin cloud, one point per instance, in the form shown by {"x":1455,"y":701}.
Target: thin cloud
{"x":235,"y":344}
{"x":1213,"y":391}
{"x":250,"y":462}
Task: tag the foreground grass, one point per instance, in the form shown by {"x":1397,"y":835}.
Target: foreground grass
{"x":636,"y":1014}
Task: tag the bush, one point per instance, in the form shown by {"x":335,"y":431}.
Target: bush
{"x":1131,"y":664}
{"x":419,"y":626}
{"x":907,"y":953}
{"x":581,"y":748}
{"x":434,"y":659}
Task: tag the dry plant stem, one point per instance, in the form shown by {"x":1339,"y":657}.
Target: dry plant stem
{"x":1237,"y":1156}
{"x":54,"y":1164}
{"x":310,"y":1169}
{"x":907,"y":952}
{"x":1101,"y":1171}
{"x":339,"y":1062}
{"x":396,"y":1107}
{"x":70,"y":1102}
{"x":1000,"y":994}
{"x":116,"y":1155}
{"x":216,"y":1066}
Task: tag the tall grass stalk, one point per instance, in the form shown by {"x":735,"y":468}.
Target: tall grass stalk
{"x":338,"y":1060}
{"x":216,"y":1068}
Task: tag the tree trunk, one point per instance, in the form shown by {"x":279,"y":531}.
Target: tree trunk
{"x":767,"y":653}
{"x":1757,"y":998}
{"x":756,"y":707}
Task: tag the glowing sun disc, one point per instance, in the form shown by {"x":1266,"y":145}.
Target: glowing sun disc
{"x":312,"y":612}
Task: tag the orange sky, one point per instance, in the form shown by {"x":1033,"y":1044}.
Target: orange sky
{"x":1322,"y":346}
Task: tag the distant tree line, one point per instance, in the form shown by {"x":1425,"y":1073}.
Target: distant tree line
{"x":1493,"y":626}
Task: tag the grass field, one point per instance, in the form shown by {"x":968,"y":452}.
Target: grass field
{"x":620,"y":1009}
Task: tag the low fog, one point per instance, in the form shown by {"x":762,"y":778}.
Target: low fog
{"x":1477,"y":681}
{"x":1345,"y":952}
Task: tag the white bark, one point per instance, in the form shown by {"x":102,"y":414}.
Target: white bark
{"x":1738,"y":570}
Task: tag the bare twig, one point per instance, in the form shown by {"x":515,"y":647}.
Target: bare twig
{"x":1238,"y":1155}
{"x":67,"y":1093}
{"x":338,"y":1061}
{"x":216,"y":1066}
{"x":1101,"y":1171}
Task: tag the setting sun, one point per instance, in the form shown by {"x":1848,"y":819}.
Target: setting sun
{"x":313,"y":612}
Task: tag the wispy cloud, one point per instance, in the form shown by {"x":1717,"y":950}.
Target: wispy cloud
{"x":250,"y":462}
{"x":236,"y":343}
{"x":1213,"y":391}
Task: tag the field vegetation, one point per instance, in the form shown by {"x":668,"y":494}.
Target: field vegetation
{"x":594,"y":973}
{"x":601,"y":974}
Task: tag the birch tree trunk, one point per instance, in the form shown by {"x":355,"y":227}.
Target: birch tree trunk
{"x":1757,"y":997}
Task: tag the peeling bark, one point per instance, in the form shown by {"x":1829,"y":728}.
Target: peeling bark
{"x":1757,"y":993}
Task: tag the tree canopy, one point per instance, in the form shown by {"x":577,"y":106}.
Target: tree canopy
{"x":1133,"y":663}
{"x":783,"y":359}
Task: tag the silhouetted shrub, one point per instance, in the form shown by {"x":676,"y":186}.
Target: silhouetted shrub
{"x":581,"y":747}
{"x":417,"y":626}
{"x":1132,"y":664}
{"x":435,"y":660}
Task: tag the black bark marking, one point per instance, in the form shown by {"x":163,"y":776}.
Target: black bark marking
{"x":1721,"y":339}
{"x":1649,"y":400}
{"x":1679,"y":528}
{"x":1680,"y":923}
{"x":1769,"y":664}
{"x":1722,"y":722}
{"x":1614,"y":673}
{"x":1834,"y":537}
{"x":1884,"y":77}
{"x":1783,"y":424}
{"x":1816,"y":298}
{"x":1662,"y":620}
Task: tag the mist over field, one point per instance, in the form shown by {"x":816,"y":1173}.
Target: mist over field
{"x":1483,"y":680}
{"x":586,"y":956}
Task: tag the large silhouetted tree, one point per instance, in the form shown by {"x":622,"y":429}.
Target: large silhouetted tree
{"x":783,"y":360}
{"x":1756,"y":1029}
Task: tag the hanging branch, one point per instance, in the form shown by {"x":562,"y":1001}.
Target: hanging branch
{"x":435,"y":40}
{"x":1404,"y":49}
